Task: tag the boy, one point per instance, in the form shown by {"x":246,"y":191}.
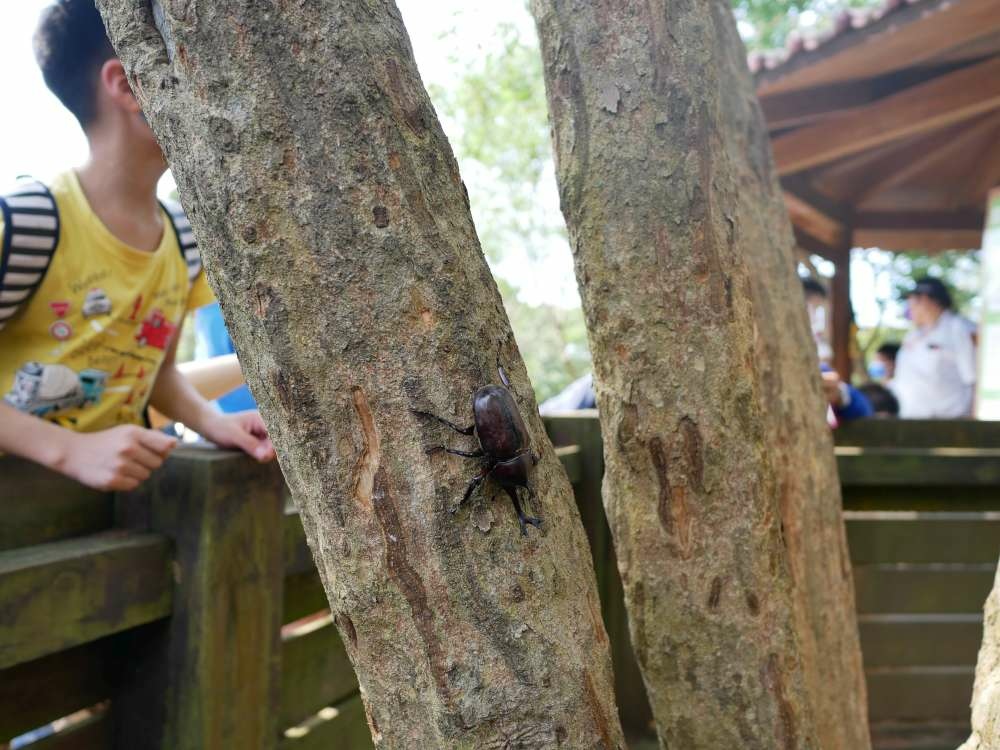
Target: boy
{"x":84,"y":353}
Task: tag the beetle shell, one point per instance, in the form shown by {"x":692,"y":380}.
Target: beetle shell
{"x":501,"y":430}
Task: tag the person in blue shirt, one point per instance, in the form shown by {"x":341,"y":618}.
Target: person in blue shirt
{"x":212,"y":340}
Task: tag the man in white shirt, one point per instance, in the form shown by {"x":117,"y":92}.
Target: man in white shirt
{"x":936,"y":365}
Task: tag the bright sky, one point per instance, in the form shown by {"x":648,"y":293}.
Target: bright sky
{"x":40,"y":138}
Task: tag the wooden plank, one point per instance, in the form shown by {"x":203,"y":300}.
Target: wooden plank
{"x":920,"y":640}
{"x":922,"y":589}
{"x":41,"y":506}
{"x":905,"y":497}
{"x":922,"y":163}
{"x":918,"y":433}
{"x":570,"y":457}
{"x":814,"y":222}
{"x":919,"y":693}
{"x":919,"y":735}
{"x":937,"y":103}
{"x":315,"y":672}
{"x":209,"y":679}
{"x":35,"y":693}
{"x":298,"y":556}
{"x":796,"y":108}
{"x":925,"y":240}
{"x":954,"y":467}
{"x":304,"y":595}
{"x":59,"y":595}
{"x":583,"y":428}
{"x":916,"y":32}
{"x":911,"y":537}
{"x":343,"y":728}
{"x":92,"y":733}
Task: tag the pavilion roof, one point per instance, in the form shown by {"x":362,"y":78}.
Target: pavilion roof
{"x":886,"y":130}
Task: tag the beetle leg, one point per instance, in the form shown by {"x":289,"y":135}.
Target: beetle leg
{"x":468,"y":454}
{"x":473,"y":483}
{"x":521,"y":518}
{"x":461,"y":430}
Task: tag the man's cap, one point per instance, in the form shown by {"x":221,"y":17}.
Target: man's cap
{"x":932,"y":288}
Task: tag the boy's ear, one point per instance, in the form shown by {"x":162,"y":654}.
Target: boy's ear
{"x":115,"y":86}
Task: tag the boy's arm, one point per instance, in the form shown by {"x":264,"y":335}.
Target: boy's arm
{"x":175,"y":396}
{"x":120,"y":458}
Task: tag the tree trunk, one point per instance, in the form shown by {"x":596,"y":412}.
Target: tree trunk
{"x":986,"y":693}
{"x":706,"y":379}
{"x":336,"y":233}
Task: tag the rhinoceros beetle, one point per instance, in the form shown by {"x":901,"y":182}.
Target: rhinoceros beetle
{"x":503,"y":444}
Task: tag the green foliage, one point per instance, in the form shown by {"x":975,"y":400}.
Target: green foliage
{"x":765,"y":24}
{"x":552,"y":340}
{"x":497,"y":110}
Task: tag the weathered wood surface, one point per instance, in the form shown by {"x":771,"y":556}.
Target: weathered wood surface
{"x":59,"y":595}
{"x":92,"y":733}
{"x":951,"y":467}
{"x":583,"y":429}
{"x":315,"y":673}
{"x":34,"y":693}
{"x":217,"y":659}
{"x":923,"y":537}
{"x":42,"y":506}
{"x":929,"y":640}
{"x":345,"y":729}
{"x":352,"y":281}
{"x":920,"y":693}
{"x":706,"y":379}
{"x":919,"y":433}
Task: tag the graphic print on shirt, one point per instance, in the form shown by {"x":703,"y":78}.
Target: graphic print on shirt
{"x":41,"y":389}
{"x":96,"y":303}
{"x":155,"y":330}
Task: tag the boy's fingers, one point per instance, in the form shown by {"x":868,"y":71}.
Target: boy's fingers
{"x":145,"y":457}
{"x":157,"y":441}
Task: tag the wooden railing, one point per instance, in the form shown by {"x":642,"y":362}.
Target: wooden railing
{"x":189,"y":615}
{"x":186,"y":616}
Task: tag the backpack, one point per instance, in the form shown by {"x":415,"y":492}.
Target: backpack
{"x":31,"y":236}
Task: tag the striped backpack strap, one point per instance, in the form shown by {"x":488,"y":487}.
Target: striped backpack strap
{"x":30,"y":237}
{"x":185,"y":238}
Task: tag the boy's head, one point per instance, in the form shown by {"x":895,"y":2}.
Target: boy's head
{"x":81,"y":68}
{"x":71,"y":48}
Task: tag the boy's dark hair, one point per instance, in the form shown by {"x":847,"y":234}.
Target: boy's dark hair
{"x":71,"y":45}
{"x":811,"y":286}
{"x":889,"y":351}
{"x":883,"y":402}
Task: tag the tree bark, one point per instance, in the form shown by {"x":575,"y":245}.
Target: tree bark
{"x":986,"y":692}
{"x":336,"y":233}
{"x":718,"y":461}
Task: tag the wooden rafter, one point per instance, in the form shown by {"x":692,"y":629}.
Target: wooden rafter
{"x":924,"y":231}
{"x":816,"y":214}
{"x":921,"y":158}
{"x":794,"y":109}
{"x":929,"y":106}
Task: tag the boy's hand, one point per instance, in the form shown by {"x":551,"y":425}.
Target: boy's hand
{"x":120,"y":458}
{"x":244,"y":430}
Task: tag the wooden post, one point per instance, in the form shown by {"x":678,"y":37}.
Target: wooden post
{"x":208,"y":677}
{"x":840,"y":299}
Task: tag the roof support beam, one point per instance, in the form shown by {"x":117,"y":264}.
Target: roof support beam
{"x":814,"y":213}
{"x":928,"y":232}
{"x":928,"y":106}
